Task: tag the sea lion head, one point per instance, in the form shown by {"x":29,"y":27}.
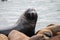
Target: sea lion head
{"x":46,"y":32}
{"x":39,"y":37}
{"x":31,"y":14}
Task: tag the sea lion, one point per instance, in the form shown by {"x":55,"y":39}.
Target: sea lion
{"x":39,"y":37}
{"x":26,"y":23}
{"x":46,"y":32}
{"x":3,"y":37}
{"x":50,"y":31}
{"x":17,"y":35}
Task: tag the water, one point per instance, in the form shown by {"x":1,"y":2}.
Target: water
{"x":48,"y":12}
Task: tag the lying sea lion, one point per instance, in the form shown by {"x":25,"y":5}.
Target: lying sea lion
{"x":50,"y":30}
{"x":3,"y":37}
{"x":46,"y":32}
{"x":26,"y":23}
{"x":39,"y":37}
{"x":16,"y":35}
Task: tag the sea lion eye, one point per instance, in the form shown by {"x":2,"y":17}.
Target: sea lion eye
{"x":28,"y":15}
{"x":48,"y":34}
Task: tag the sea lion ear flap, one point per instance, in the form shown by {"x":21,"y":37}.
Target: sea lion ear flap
{"x":37,"y":32}
{"x":50,"y":25}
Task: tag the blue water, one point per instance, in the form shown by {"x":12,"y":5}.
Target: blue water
{"x":48,"y":12}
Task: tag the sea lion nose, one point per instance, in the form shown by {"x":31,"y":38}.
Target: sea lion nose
{"x":33,"y":15}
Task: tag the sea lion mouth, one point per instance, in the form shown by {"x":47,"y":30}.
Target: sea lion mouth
{"x":31,"y":14}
